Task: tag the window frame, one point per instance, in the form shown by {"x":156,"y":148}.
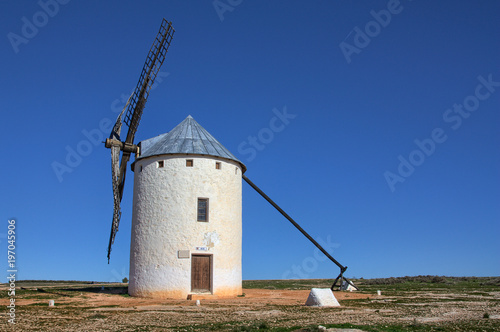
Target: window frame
{"x":206,"y":214}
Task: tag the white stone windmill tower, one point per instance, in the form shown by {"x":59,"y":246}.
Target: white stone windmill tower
{"x":186,"y":223}
{"x":186,"y":220}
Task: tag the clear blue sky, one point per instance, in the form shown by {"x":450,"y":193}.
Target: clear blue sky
{"x":390,"y":154}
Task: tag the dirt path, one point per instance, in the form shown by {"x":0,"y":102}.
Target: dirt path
{"x":105,"y":311}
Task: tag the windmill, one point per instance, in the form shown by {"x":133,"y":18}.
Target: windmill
{"x":134,"y":108}
{"x":162,"y":246}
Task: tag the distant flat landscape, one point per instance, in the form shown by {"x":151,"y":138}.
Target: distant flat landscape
{"x":422,"y":303}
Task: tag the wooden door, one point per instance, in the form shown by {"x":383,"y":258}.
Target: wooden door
{"x":201,"y":273}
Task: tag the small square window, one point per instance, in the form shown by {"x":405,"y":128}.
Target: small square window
{"x":189,"y":162}
{"x":217,"y":165}
{"x":160,"y":164}
{"x":203,"y":209}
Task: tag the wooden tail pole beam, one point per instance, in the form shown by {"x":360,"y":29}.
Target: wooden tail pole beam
{"x":294,"y":223}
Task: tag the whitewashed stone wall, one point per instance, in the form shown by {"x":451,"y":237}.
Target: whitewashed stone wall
{"x":164,"y":221}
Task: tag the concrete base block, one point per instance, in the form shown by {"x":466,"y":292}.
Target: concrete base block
{"x":322,"y":297}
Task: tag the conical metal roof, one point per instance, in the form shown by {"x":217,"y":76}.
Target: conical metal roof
{"x":188,"y":137}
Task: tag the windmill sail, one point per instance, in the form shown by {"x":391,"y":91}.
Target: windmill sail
{"x":134,"y":108}
{"x":115,"y":169}
{"x":155,"y":59}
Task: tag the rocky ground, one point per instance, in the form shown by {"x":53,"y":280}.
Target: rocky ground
{"x":266,"y":305}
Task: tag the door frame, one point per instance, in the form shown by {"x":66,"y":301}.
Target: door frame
{"x":211,"y":273}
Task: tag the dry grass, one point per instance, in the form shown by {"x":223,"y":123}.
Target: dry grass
{"x":423,"y":303}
